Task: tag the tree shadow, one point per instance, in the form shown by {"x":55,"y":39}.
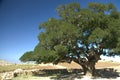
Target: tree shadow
{"x":60,"y":74}
{"x":64,"y":74}
{"x":75,"y":73}
{"x":108,"y":73}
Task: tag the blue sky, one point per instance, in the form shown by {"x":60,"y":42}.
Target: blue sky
{"x":19,"y":21}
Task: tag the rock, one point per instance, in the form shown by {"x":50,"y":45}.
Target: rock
{"x":18,"y":72}
{"x":70,"y":70}
{"x":2,"y":76}
{"x":9,"y":76}
{"x":6,"y":76}
{"x":33,"y":72}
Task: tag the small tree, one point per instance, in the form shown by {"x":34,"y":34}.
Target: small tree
{"x":80,"y":35}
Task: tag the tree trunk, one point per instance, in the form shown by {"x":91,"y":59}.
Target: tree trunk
{"x":88,"y":64}
{"x":88,"y":67}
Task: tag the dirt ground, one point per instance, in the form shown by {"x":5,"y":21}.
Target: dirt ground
{"x":107,"y":70}
{"x":73,"y":65}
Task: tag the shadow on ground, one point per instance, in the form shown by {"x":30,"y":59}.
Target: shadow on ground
{"x":64,"y":74}
{"x":108,"y":73}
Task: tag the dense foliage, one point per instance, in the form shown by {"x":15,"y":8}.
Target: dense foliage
{"x":27,"y":56}
{"x":80,"y":34}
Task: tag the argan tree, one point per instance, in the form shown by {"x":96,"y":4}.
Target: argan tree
{"x":80,"y":35}
{"x":27,"y":56}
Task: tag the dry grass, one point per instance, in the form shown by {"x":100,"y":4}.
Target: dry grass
{"x":7,"y":68}
{"x":111,"y":70}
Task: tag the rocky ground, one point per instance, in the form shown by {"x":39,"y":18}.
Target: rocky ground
{"x":107,"y":70}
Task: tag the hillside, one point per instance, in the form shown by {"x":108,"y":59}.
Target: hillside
{"x":4,"y":62}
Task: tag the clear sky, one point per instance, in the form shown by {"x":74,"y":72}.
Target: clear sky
{"x":19,"y":21}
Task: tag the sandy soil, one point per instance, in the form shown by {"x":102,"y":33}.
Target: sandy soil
{"x":108,"y":70}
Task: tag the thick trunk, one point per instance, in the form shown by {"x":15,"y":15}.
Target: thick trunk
{"x":89,"y":67}
{"x":88,"y":62}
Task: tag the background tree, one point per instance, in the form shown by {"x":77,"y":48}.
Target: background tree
{"x":80,"y":35}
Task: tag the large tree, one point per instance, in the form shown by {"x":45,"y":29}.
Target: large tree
{"x":27,"y":56}
{"x":80,"y":35}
